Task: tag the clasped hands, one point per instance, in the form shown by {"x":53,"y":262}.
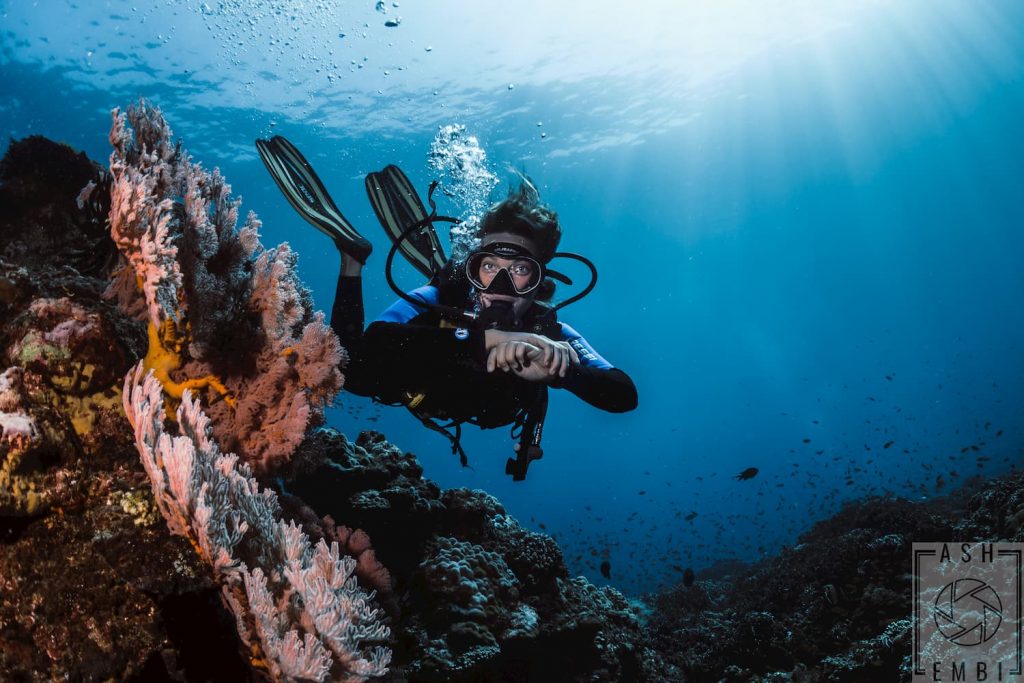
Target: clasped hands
{"x":532,"y":357}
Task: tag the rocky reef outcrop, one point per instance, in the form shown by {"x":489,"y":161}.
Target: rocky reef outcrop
{"x":836,"y":606}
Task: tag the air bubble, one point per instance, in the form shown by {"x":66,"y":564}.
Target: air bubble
{"x":463,"y":169}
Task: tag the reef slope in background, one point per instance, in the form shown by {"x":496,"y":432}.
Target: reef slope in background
{"x":94,"y":587}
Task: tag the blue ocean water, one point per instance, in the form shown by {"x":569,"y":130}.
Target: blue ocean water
{"x":807,"y":219}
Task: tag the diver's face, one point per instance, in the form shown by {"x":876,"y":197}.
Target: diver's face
{"x":521,"y":270}
{"x":522,"y":273}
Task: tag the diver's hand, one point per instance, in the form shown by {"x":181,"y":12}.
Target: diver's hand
{"x":533,"y":370}
{"x":527,"y":361}
{"x":512,"y":355}
{"x":557,"y":357}
{"x":520,"y":358}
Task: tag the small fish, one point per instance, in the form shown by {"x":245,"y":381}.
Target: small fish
{"x":887,"y":444}
{"x":748,"y":473}
{"x":688,"y":577}
{"x":606,"y":569}
{"x":690,"y":517}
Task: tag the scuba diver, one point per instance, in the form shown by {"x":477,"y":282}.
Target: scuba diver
{"x":478,"y":344}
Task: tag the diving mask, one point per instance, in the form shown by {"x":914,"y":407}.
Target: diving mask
{"x":518,"y":278}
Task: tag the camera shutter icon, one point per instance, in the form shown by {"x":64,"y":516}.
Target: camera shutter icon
{"x":968,"y":612}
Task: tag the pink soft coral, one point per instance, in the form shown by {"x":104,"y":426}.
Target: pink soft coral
{"x":298,"y":608}
{"x":226,"y":315}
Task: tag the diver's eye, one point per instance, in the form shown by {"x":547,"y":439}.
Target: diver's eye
{"x":488,"y":267}
{"x":522,"y":269}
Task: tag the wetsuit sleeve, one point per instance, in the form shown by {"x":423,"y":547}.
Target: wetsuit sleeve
{"x":595,"y":380}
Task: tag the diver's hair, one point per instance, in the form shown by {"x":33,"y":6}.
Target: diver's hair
{"x":521,"y":213}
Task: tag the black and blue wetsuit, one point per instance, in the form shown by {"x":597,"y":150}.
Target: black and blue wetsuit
{"x":408,"y":354}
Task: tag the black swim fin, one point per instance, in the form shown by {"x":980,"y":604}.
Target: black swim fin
{"x":306,"y":193}
{"x":398,"y":207}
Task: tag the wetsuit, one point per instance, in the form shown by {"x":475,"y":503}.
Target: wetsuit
{"x":407,"y":356}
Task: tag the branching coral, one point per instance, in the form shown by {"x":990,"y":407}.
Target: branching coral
{"x":298,"y":608}
{"x":226,"y":317}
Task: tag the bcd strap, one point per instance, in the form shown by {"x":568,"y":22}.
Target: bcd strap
{"x":529,"y":439}
{"x":455,"y":439}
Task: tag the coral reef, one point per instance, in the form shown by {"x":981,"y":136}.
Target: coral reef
{"x":94,"y":586}
{"x":39,"y":182}
{"x":481,"y":598}
{"x":298,"y":608}
{"x":226,"y":317}
{"x":62,"y":353}
{"x":835,"y":606}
